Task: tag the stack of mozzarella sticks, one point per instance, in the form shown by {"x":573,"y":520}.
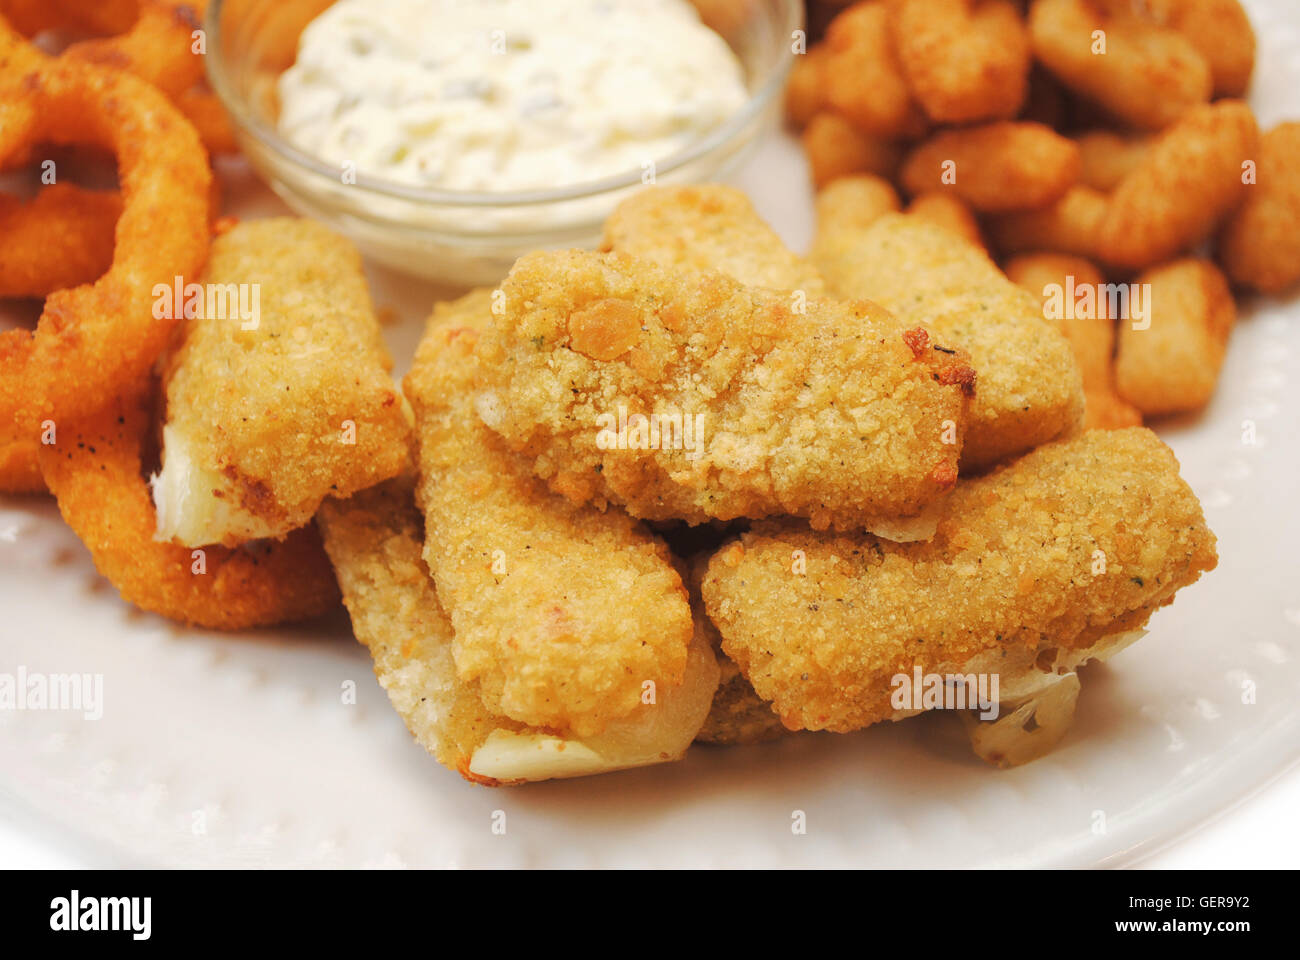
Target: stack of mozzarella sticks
{"x":688,"y":489}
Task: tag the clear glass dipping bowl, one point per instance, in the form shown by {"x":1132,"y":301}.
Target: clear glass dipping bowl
{"x":462,"y":238}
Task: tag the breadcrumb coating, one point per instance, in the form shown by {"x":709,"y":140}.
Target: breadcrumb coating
{"x":375,"y":539}
{"x":708,"y":227}
{"x":538,"y":588}
{"x":1075,"y":541}
{"x":738,"y":715}
{"x":277,"y":417}
{"x":826,"y":410}
{"x":1030,"y":390}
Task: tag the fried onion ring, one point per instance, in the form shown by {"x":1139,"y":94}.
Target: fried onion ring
{"x":95,"y":472}
{"x":92,"y":341}
{"x":60,"y":238}
{"x":158,"y":47}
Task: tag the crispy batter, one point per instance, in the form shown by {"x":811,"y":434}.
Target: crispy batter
{"x":1259,"y":246}
{"x":1087,"y":323}
{"x":965,"y":60}
{"x":1069,"y":225}
{"x":1220,"y":31}
{"x":1029,"y":385}
{"x":845,"y":209}
{"x":835,"y":148}
{"x":1190,"y":180}
{"x":271,"y":420}
{"x":1148,"y":75}
{"x":60,"y":238}
{"x":94,"y":471}
{"x":738,"y":715}
{"x":821,"y":623}
{"x":375,"y":539}
{"x":1108,"y":157}
{"x":537,"y":587}
{"x":995,"y":167}
{"x":709,"y":227}
{"x":947,"y":211}
{"x":20,"y":472}
{"x":816,"y":408}
{"x":861,"y":76}
{"x":1173,"y":365}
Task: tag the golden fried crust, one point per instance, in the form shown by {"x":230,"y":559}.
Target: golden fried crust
{"x":1108,"y":157}
{"x":861,"y":76}
{"x":561,"y":612}
{"x":821,"y":623}
{"x":1260,"y":245}
{"x":709,"y":227}
{"x":1173,"y":365}
{"x":965,"y":60}
{"x":374,"y":539}
{"x":1091,"y":332}
{"x":835,"y":148}
{"x":302,"y":407}
{"x":738,"y":715}
{"x":1029,"y":390}
{"x":847,"y":207}
{"x":1148,"y":76}
{"x":995,"y":167}
{"x":1220,"y":31}
{"x":1069,"y":225}
{"x":1188,"y":182}
{"x":945,"y":210}
{"x":818,"y":409}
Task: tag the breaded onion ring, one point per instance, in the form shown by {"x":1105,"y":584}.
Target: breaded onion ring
{"x":104,"y":334}
{"x":60,"y":238}
{"x":95,"y":472}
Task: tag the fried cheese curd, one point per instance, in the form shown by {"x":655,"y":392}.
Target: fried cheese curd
{"x":995,"y":167}
{"x":1145,"y":74}
{"x":708,"y":228}
{"x":1189,"y":181}
{"x":1073,"y":543}
{"x":835,"y":148}
{"x":965,"y":60}
{"x":1029,"y":387}
{"x":1260,"y":243}
{"x":536,"y":586}
{"x":1090,"y":329}
{"x":694,"y":397}
{"x":944,"y":210}
{"x":375,"y":539}
{"x":1171,"y":364}
{"x":271,"y":410}
{"x":860,"y":75}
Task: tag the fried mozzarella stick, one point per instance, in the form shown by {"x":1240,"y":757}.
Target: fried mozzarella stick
{"x":1063,"y":550}
{"x":1030,"y":390}
{"x":375,"y":540}
{"x":708,"y":228}
{"x":279,"y":394}
{"x":690,"y":396}
{"x":563,"y":613}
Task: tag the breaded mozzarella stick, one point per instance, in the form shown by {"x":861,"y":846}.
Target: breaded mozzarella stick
{"x":1074,"y":543}
{"x":375,"y":540}
{"x":1030,"y":390}
{"x":690,"y":396}
{"x":279,"y":394}
{"x":539,"y":589}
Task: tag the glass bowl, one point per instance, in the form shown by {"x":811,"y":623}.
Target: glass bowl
{"x":464,"y":238}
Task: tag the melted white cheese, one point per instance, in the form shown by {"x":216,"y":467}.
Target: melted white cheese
{"x":503,"y":95}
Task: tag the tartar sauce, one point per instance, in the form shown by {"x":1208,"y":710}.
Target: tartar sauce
{"x":502,"y":95}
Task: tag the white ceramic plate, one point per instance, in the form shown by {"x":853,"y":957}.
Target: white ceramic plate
{"x":240,"y":750}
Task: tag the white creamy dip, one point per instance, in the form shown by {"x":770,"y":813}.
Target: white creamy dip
{"x":504,"y":95}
